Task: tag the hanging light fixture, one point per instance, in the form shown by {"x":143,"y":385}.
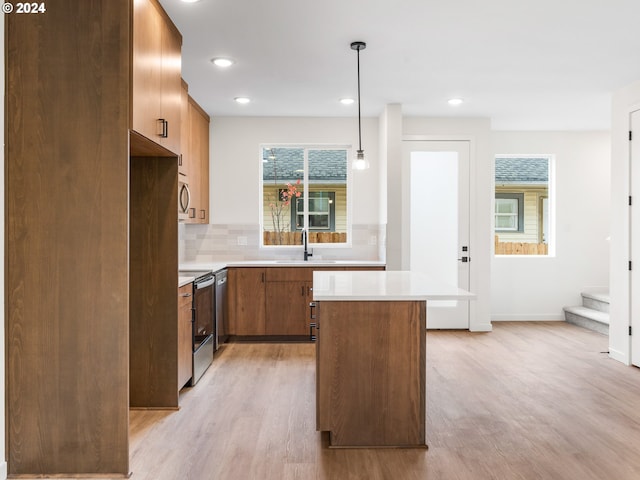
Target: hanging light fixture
{"x":359,"y":162}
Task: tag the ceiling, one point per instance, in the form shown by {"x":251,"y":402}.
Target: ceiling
{"x":526,"y":65}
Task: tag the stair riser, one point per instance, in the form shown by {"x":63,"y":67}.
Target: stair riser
{"x":595,"y":304}
{"x":586,"y":323}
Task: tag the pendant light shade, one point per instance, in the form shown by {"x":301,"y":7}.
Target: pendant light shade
{"x":359,"y":161}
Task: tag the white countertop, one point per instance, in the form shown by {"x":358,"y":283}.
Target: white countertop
{"x":214,"y":266}
{"x":183,"y":280}
{"x":382,"y":286}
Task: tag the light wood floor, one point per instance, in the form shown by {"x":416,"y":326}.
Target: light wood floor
{"x":526,"y":401}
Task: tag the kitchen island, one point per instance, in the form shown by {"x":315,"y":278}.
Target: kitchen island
{"x":371,"y":355}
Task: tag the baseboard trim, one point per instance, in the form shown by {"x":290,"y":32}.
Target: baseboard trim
{"x":481,"y":327}
{"x":527,"y":317}
{"x":619,"y":356}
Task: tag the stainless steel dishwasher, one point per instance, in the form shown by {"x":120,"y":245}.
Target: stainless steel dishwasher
{"x":221,"y":308}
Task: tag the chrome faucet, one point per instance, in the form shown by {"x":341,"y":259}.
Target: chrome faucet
{"x":304,"y":242}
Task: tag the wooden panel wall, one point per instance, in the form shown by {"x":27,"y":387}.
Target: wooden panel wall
{"x":67,"y":115}
{"x":153,"y":317}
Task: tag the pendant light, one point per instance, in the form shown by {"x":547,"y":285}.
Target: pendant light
{"x":359,"y":161}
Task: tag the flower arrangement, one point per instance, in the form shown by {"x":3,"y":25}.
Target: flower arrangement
{"x":280,"y":209}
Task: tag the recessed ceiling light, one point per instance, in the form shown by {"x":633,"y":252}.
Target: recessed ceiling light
{"x":456,"y":101}
{"x":222,"y":62}
{"x":242,"y":100}
{"x":347,"y":101}
{"x":190,"y":1}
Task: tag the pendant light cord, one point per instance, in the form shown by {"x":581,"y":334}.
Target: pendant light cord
{"x":359,"y":121}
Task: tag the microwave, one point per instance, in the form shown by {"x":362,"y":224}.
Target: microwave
{"x":184,"y":197}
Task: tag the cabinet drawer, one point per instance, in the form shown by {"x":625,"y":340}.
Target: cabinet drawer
{"x":185,"y":296}
{"x":289,"y":274}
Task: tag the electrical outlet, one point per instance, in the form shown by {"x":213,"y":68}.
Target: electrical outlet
{"x":242,"y":241}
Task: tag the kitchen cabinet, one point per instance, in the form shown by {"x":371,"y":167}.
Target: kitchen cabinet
{"x":111,"y":345}
{"x":246,"y":297}
{"x":273,"y":301}
{"x":156,"y":77}
{"x":370,"y":373}
{"x":185,"y":335}
{"x":197,"y":162}
{"x":183,"y":163}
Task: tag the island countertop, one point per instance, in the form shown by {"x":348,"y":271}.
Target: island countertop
{"x":382,"y":286}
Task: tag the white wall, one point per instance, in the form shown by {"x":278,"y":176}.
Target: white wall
{"x":3,"y":463}
{"x":235,"y":172}
{"x":625,"y":101}
{"x":536,"y":288}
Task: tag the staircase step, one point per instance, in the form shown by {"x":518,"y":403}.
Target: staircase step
{"x":596,"y":300}
{"x":588,"y":318}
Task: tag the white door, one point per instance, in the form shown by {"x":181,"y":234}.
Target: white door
{"x":634,"y":147}
{"x":439,"y":222}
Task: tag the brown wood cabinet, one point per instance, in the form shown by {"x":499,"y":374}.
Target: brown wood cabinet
{"x":273,"y":300}
{"x":370,"y":373}
{"x":183,"y":158}
{"x":246,"y":297}
{"x":185,"y":337}
{"x":197,"y":162}
{"x":156,"y":77}
{"x":78,"y":211}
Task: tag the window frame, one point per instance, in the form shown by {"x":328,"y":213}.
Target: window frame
{"x":305,"y":188}
{"x":551,"y":198}
{"x":519,"y":197}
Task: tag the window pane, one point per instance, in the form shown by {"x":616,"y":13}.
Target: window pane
{"x":319,"y":221}
{"x":318,"y":205}
{"x":522,"y":204}
{"x":506,"y":205}
{"x":282,"y":175}
{"x":328,"y":194}
{"x":504,"y":222}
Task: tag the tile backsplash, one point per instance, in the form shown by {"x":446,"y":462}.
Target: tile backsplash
{"x":206,"y":243}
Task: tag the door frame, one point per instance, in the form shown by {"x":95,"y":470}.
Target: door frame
{"x":634,"y":243}
{"x":473,"y":213}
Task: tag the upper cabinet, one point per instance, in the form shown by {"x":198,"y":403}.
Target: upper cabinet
{"x":156,"y":85}
{"x":195,"y":161}
{"x":183,"y":159}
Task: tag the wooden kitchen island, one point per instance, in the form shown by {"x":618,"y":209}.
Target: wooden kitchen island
{"x":371,"y":355}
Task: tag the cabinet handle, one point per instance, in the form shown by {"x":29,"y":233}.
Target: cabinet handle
{"x":313,"y":325}
{"x":312,"y":306}
{"x":186,"y":294}
{"x":192,"y":213}
{"x":302,"y":290}
{"x":164,"y":133}
{"x":203,"y":214}
{"x":262,"y":277}
{"x":180,"y":160}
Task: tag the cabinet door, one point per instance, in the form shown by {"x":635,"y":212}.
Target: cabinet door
{"x":171,"y":85}
{"x":183,"y":162}
{"x":185,"y":340}
{"x":147,"y":69}
{"x":246,"y":301}
{"x":286,"y":308}
{"x":198,"y":163}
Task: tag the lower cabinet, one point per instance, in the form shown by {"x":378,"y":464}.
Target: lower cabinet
{"x":272,"y":301}
{"x":286,"y":308}
{"x":246,"y":297}
{"x":185,"y":341}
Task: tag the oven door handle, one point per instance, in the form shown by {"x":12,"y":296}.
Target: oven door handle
{"x":206,"y":283}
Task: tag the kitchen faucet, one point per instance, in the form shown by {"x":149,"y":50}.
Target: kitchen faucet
{"x":304,"y":242}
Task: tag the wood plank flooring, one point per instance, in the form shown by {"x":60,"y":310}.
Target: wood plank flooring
{"x":527,"y":401}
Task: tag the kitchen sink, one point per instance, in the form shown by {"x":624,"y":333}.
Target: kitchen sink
{"x":309,"y":262}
